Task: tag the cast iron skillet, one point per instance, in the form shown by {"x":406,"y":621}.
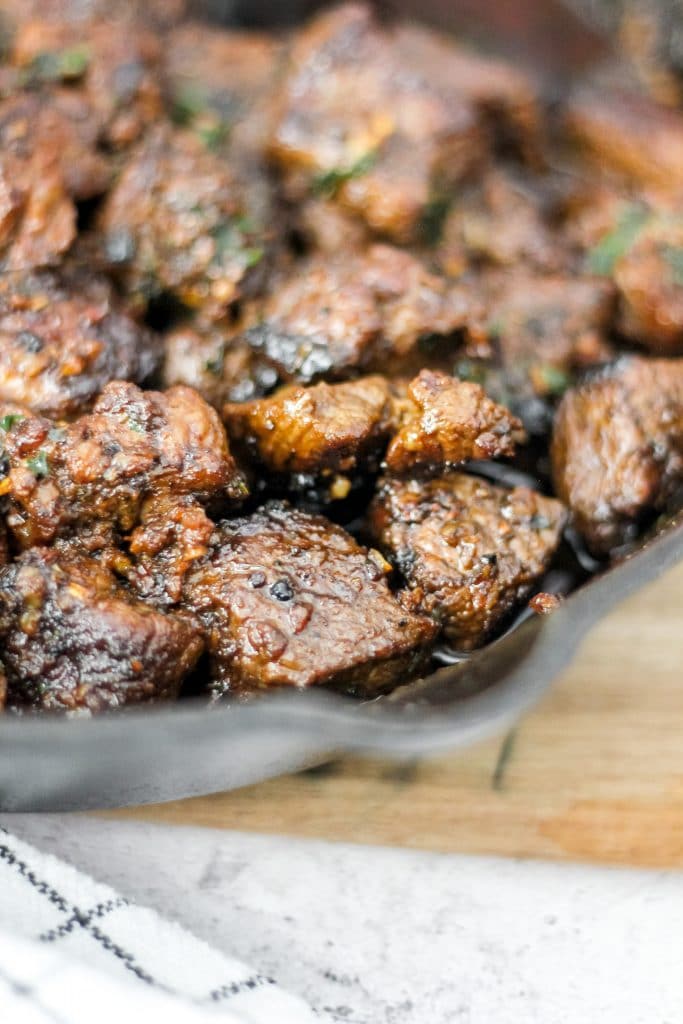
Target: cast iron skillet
{"x":167,"y":752}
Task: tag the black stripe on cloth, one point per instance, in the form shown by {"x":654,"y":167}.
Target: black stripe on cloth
{"x":83,"y":919}
{"x":54,"y":897}
{"x":78,"y":917}
{"x":236,"y":988}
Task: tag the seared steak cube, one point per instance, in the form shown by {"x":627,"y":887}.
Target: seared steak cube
{"x":469,"y":551}
{"x":105,"y":464}
{"x":74,"y":640}
{"x":290,"y":599}
{"x":61,"y":341}
{"x":617,"y":448}
{"x":175,"y":222}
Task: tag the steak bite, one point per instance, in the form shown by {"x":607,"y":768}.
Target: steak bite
{"x":157,"y":13}
{"x":290,"y":599}
{"x":324,"y":428}
{"x":629,"y":135}
{"x":54,"y":131}
{"x":220,"y":83}
{"x":503,"y":221}
{"x":504,"y":97}
{"x":113,"y":64}
{"x":434,"y":420}
{"x":37,"y":215}
{"x":218,"y":362}
{"x":62,"y":339}
{"x":105,"y":464}
{"x":443,"y":421}
{"x":617,"y":448}
{"x":649,"y":278}
{"x":334,"y":317}
{"x":73,"y":639}
{"x":174,"y":222}
{"x":469,"y":551}
{"x":356,"y":122}
{"x":173,"y":534}
{"x":545,"y":329}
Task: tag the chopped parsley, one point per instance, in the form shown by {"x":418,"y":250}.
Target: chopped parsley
{"x":214,"y":365}
{"x":616,"y":243}
{"x":469,"y":370}
{"x":7,"y":422}
{"x":60,"y":65}
{"x":552,"y":379}
{"x":188,"y":103}
{"x":433,"y":219}
{"x":39,"y":465}
{"x":213,"y":133}
{"x":327,"y":183}
{"x":230,"y":244}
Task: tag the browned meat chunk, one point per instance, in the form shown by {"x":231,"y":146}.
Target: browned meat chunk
{"x":174,"y":223}
{"x":114,"y":65}
{"x":501,"y":221}
{"x":173,"y":534}
{"x":354,"y":124}
{"x":617,"y":447}
{"x":220,"y":83}
{"x":641,"y":248}
{"x":74,"y":640}
{"x":324,"y":227}
{"x":629,"y":135}
{"x":61,"y":341}
{"x":221,"y":366}
{"x":325,"y":428}
{"x":469,"y":551}
{"x":158,"y":13}
{"x":650,"y":283}
{"x":289,"y":599}
{"x":55,"y":131}
{"x":335,"y":317}
{"x":503,"y":95}
{"x":103,"y":465}
{"x":545,"y":328}
{"x":444,"y":421}
{"x":433,"y":421}
{"x":37,"y":216}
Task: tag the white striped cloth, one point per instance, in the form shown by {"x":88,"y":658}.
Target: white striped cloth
{"x":73,"y":951}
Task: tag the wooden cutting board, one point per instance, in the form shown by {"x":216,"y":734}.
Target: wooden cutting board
{"x":594,"y":773}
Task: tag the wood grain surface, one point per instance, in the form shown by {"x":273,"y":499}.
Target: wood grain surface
{"x":594,"y":773}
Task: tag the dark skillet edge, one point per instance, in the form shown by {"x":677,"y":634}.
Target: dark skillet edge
{"x":169,"y":752}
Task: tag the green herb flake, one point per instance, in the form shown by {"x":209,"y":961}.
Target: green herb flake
{"x":39,"y":465}
{"x":433,"y":219}
{"x":469,"y":370}
{"x":603,"y":258}
{"x":60,"y":65}
{"x":213,"y":134}
{"x":188,"y":103}
{"x":674,"y":257}
{"x":552,"y":379}
{"x":214,"y":365}
{"x":252,"y":256}
{"x":230,"y":244}
{"x":327,"y":183}
{"x":74,"y":62}
{"x":496,"y":327}
{"x":135,"y":425}
{"x":7,"y":422}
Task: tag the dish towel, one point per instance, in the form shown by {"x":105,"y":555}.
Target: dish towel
{"x":73,"y":951}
